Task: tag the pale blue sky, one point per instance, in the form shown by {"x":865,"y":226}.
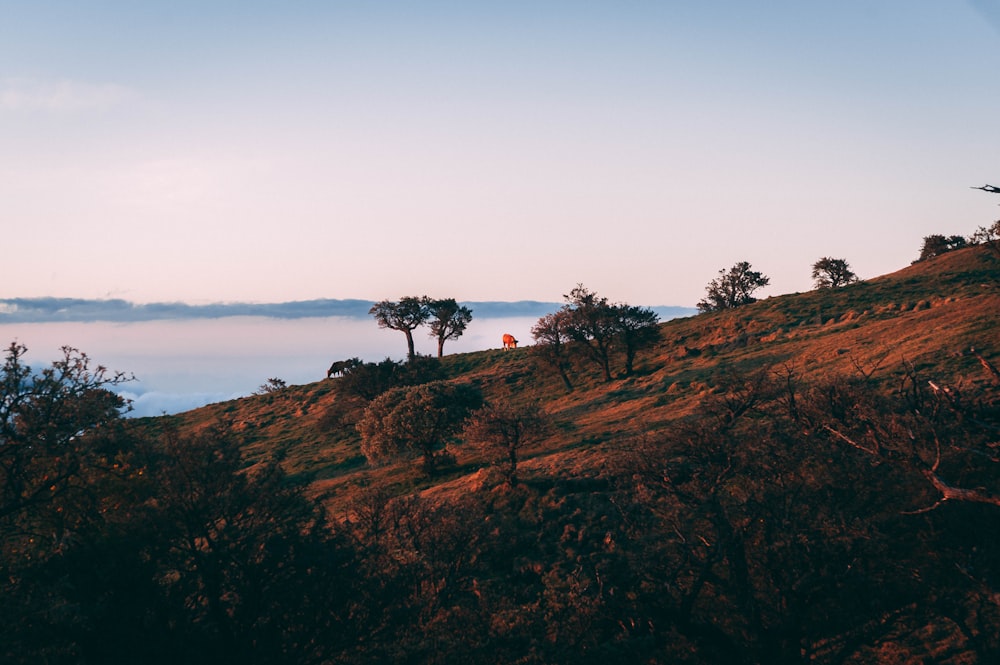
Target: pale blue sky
{"x":270,"y":151}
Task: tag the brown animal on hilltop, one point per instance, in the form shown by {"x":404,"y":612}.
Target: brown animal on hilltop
{"x":509,"y":342}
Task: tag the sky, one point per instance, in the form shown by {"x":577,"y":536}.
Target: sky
{"x":262,"y":151}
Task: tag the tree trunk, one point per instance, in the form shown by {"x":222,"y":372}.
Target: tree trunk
{"x":410,"y":352}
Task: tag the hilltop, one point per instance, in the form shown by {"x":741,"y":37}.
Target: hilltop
{"x":927,"y":316}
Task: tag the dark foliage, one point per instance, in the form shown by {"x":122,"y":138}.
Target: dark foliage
{"x":829,"y":273}
{"x":405,"y":315}
{"x":936,"y":245}
{"x":784,"y":522}
{"x":601,"y":332}
{"x":448,"y":320}
{"x":416,"y":420}
{"x":369,"y":380}
{"x":732,"y":288}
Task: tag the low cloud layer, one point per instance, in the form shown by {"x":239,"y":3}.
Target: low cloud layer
{"x":47,"y":310}
{"x":160,"y":403}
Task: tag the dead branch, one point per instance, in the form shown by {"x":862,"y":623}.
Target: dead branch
{"x":845,"y":438}
{"x":987,"y":365}
{"x":950,"y":493}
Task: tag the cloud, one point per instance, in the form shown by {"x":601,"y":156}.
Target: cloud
{"x":160,"y":403}
{"x":48,"y":310}
{"x":22,"y":94}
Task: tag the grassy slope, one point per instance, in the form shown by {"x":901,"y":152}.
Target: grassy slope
{"x":928,"y":314}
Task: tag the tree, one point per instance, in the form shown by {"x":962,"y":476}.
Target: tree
{"x":50,"y":429}
{"x":406,"y":315}
{"x":732,"y":288}
{"x":448,"y":320}
{"x":272,"y":385}
{"x":637,"y":328}
{"x":989,"y":188}
{"x":592,"y":323}
{"x":551,"y":335}
{"x":501,"y":429}
{"x":369,"y":380}
{"x":831,"y":273}
{"x":989,"y":236}
{"x":415,"y":420}
{"x":936,"y":245}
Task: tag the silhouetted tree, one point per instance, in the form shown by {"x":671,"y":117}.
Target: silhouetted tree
{"x":58,"y":429}
{"x":272,"y":385}
{"x":406,"y":315}
{"x":50,"y":434}
{"x":415,"y":420}
{"x":936,"y":245}
{"x":551,"y":335}
{"x":989,"y":188}
{"x":448,"y":320}
{"x":988,"y":236}
{"x":732,"y":288}
{"x":831,"y":273}
{"x":592,"y":323}
{"x":636,"y":328}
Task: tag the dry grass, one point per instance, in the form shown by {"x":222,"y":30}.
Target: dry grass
{"x":927,"y":315}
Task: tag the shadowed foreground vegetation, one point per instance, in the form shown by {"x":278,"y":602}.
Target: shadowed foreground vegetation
{"x":811,"y":478}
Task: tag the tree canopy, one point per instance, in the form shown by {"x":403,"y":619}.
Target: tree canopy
{"x":829,"y":273}
{"x":415,"y":420}
{"x":406,"y":315}
{"x":600,"y":331}
{"x":937,"y":244}
{"x":448,"y":320}
{"x":732,"y":288}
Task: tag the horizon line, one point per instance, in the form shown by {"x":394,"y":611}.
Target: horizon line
{"x":51,"y":309}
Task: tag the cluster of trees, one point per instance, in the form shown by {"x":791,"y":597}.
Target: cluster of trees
{"x":447,"y":319}
{"x":117,"y":547}
{"x":409,"y":411}
{"x":591,"y":327}
{"x":786,"y":522}
{"x":735,"y":287}
{"x":936,"y":244}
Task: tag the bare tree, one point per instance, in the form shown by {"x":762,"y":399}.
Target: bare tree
{"x":989,"y":188}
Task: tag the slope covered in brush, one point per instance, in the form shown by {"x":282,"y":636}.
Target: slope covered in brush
{"x":808,"y":479}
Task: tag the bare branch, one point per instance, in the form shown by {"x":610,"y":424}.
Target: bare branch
{"x":848,"y":440}
{"x":949,"y":493}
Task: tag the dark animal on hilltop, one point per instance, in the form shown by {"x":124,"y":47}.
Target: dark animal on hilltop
{"x":341,"y":367}
{"x":509,"y":342}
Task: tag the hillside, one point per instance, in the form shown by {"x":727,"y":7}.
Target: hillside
{"x":813,"y":479}
{"x":928,"y":315}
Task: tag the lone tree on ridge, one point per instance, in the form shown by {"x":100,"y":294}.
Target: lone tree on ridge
{"x":831,"y":273}
{"x":406,"y":315}
{"x":732,"y":288}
